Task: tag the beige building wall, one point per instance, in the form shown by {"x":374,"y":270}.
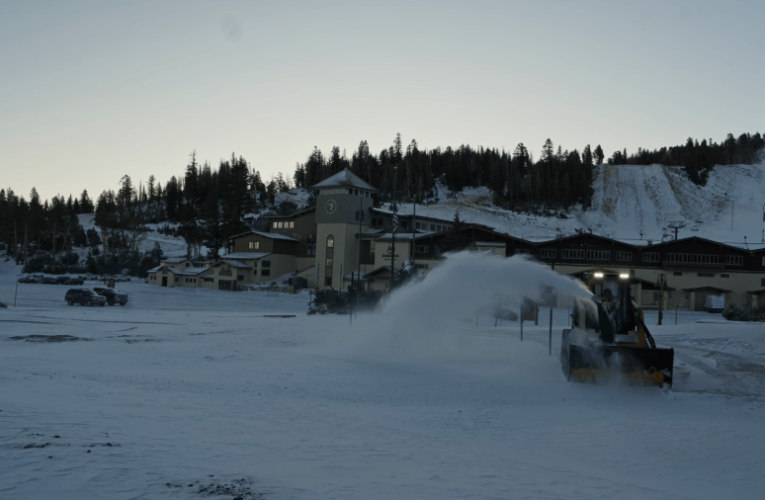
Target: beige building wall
{"x":345,"y":253}
{"x":738,"y":282}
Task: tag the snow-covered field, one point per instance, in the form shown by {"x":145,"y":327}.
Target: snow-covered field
{"x":180,"y":390}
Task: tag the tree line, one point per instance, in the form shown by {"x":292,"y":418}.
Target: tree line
{"x":207,"y":205}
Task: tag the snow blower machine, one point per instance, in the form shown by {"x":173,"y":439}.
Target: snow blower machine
{"x":609,"y":339}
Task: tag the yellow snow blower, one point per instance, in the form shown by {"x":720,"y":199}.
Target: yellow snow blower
{"x":609,"y":339}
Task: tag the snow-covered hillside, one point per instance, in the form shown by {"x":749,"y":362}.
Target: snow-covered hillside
{"x":630,"y":203}
{"x":633,"y":203}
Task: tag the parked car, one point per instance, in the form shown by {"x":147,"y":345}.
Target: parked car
{"x":84,"y":296}
{"x":75,"y":280}
{"x":112,"y":296}
{"x":62,"y":280}
{"x":48,"y":280}
{"x":29,"y":279}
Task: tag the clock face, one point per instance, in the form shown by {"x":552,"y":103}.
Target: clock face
{"x":330,"y":207}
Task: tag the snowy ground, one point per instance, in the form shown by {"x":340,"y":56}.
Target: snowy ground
{"x":193,"y":388}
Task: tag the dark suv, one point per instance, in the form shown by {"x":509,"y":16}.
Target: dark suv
{"x":112,"y":296}
{"x":84,"y":296}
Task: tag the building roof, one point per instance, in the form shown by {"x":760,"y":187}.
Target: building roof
{"x":293,"y":214}
{"x":175,"y":260}
{"x":193,"y":271}
{"x":490,"y":244}
{"x":245,"y":255}
{"x":235,"y":263}
{"x":708,"y":287}
{"x":273,"y":236}
{"x":342,"y":179}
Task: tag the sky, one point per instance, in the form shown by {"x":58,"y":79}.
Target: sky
{"x":91,"y":91}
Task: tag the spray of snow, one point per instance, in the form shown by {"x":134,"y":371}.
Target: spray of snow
{"x":427,"y":317}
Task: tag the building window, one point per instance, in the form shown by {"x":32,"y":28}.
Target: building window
{"x":275,"y":225}
{"x":281,"y":225}
{"x":421,"y":249}
{"x":693,"y":258}
{"x":706,"y":275}
{"x":572,"y":253}
{"x":650,"y":256}
{"x":598,"y":255}
{"x":432,"y":227}
{"x":265,"y":272}
{"x":417,"y":225}
{"x":734,"y":260}
{"x":676,"y":273}
{"x":265,"y":264}
{"x":624,"y":256}
{"x":522,"y":251}
{"x":548,"y":253}
{"x":330,"y":254}
{"x":240,"y":277}
{"x":176,"y":280}
{"x":254,"y":245}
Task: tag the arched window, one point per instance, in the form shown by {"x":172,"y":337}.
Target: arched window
{"x":328,"y":264}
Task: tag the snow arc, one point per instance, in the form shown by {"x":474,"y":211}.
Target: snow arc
{"x":465,"y":286}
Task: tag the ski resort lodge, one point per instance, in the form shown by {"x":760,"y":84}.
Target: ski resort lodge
{"x":345,"y":235}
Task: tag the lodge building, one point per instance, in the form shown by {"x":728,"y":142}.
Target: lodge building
{"x":327,"y":245}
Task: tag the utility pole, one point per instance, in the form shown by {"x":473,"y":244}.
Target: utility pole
{"x":395,"y":228}
{"x":661,"y":283}
{"x":358,"y":274}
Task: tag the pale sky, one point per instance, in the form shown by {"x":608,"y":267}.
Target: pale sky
{"x":91,"y":91}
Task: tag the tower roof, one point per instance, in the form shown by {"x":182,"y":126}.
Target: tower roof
{"x":344,"y":178}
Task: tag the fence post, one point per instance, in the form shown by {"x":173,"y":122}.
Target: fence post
{"x":549,"y":340}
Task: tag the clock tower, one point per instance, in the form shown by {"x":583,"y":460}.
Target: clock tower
{"x":342,"y":204}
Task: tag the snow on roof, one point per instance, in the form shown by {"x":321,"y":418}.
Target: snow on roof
{"x":344,"y":178}
{"x":274,"y":236}
{"x":245,"y":255}
{"x":155,"y":269}
{"x":175,"y":260}
{"x":236,"y":263}
{"x":194,"y":270}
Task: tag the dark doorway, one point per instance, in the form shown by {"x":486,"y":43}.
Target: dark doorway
{"x":164,"y":280}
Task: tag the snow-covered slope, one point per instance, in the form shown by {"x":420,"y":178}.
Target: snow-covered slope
{"x":634,"y":203}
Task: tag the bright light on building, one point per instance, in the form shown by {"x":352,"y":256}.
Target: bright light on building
{"x":624,"y":276}
{"x":598,"y":275}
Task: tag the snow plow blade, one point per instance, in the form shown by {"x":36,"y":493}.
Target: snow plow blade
{"x":636,"y":365}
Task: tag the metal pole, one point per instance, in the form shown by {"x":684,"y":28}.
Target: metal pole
{"x":358,"y":274}
{"x":349,"y":297}
{"x":393,"y":234}
{"x":676,"y":315}
{"x":549,"y":340}
{"x":521,"y":322}
{"x":16,"y":294}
